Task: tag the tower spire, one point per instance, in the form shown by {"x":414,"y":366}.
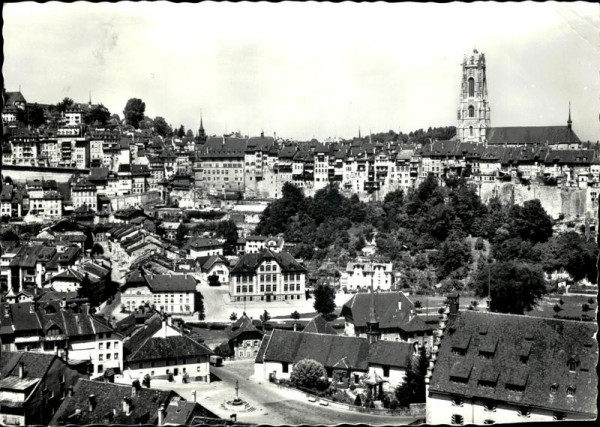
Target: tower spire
{"x":372,"y":323}
{"x":569,"y":122}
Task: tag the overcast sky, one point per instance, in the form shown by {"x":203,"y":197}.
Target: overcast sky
{"x":307,"y":70}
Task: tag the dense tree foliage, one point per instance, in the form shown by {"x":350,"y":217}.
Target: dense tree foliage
{"x":98,"y":114}
{"x":134,"y":112}
{"x":62,"y":106}
{"x":307,"y":373}
{"x":161,"y":126}
{"x":412,"y":390}
{"x":571,"y":252}
{"x":513,"y":287}
{"x":324,"y":299}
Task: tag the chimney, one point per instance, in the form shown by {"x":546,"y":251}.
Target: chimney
{"x":32,"y":307}
{"x":161,"y":414}
{"x":295,"y":326}
{"x":411,"y":315}
{"x":91,"y":402}
{"x":400,"y":305}
{"x":63,"y":303}
{"x":7,"y":310}
{"x":70,"y":391}
{"x":21,"y":370}
{"x":126,"y":406}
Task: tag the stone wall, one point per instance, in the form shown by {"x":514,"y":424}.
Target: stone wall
{"x":572,"y":202}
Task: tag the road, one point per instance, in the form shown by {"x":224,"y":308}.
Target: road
{"x":273,"y":405}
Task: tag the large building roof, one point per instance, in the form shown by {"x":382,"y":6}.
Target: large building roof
{"x":249,"y":263}
{"x":108,"y":404}
{"x":530,"y":361}
{"x":178,"y":346}
{"x":523,"y":135}
{"x":393,"y":310}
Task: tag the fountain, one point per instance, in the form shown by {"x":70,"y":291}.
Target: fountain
{"x":238,"y":404}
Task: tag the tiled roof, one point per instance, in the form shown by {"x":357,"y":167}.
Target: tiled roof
{"x":531,"y":135}
{"x":14,"y":97}
{"x":548,"y":344}
{"x":250,"y":262}
{"x":329,"y":350}
{"x":387,"y":311}
{"x":243,"y":325}
{"x":36,"y":364}
{"x":390,"y":353}
{"x":200,"y":243}
{"x":171,"y":282}
{"x":108,"y":406}
{"x":206,"y":262}
{"x":319,"y":325}
{"x":178,"y":346}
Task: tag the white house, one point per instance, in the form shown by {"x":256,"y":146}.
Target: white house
{"x":360,"y":275}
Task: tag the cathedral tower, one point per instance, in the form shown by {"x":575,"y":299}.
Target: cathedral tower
{"x":473,"y":109}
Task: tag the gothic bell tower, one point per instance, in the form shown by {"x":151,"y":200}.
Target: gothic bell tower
{"x":474,"y":108}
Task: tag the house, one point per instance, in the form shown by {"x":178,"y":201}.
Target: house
{"x":244,"y":337}
{"x":159,"y":350}
{"x":32,"y":387}
{"x":398,"y":320}
{"x":69,"y":330}
{"x":214,"y":265}
{"x":173,"y":293}
{"x":267,"y":276}
{"x":351,"y":358}
{"x":360,"y":275}
{"x":254,"y":244}
{"x":94,"y":402}
{"x":503,"y":368}
{"x":201,"y":247}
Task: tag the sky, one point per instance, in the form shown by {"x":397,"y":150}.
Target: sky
{"x":304,"y":70}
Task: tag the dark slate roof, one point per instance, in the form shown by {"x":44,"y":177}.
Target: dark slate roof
{"x":390,"y":353}
{"x":13,"y":97}
{"x":206,"y":262}
{"x":549,"y":343}
{"x":109,"y":397}
{"x":386,"y":309}
{"x":177,"y":346}
{"x":319,"y":325}
{"x":36,"y":364}
{"x":243,"y":325}
{"x":28,"y":256}
{"x":248,"y":263}
{"x":329,"y":350}
{"x":171,"y":282}
{"x":201,"y":243}
{"x":531,"y":135}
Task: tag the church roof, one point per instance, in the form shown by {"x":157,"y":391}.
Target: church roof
{"x":521,"y":135}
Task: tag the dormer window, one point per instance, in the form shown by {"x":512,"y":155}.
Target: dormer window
{"x":489,"y":406}
{"x":459,"y":351}
{"x":524,"y":411}
{"x":554,"y":388}
{"x":523,"y":359}
{"x":572,"y":363}
{"x":559,"y":416}
{"x":486,"y":355}
{"x":457,"y":401}
{"x":570,"y":391}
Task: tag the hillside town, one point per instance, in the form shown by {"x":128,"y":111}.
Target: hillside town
{"x":151,"y":274}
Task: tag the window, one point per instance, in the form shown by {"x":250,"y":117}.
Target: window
{"x":471,"y":111}
{"x":108,"y":346}
{"x":486,"y":355}
{"x":386,"y":371}
{"x":116,"y":344}
{"x":524,"y":411}
{"x":471,"y":87}
{"x":459,"y":351}
{"x":457,"y":401}
{"x":100,"y":368}
{"x":572,"y":365}
{"x":101,"y":346}
{"x":559,"y":416}
{"x":570,"y":391}
{"x":470,"y":130}
{"x":100,"y":357}
{"x":457,"y":419}
{"x":285,"y":367}
{"x":524,"y":359}
{"x":489,"y":406}
{"x":116,"y":356}
{"x":553,"y":388}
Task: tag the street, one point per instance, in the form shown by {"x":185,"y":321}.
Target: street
{"x":272,"y":405}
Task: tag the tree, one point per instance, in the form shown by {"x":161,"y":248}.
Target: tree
{"x":134,"y":112}
{"x":514,"y":287}
{"x":35,"y":115}
{"x":412,"y":390}
{"x":86,"y":290}
{"x":97,"y":249}
{"x":295,"y":315}
{"x":233,"y":317}
{"x":228,"y":230}
{"x":189,"y":133}
{"x":62,"y":106}
{"x":530,"y":221}
{"x":571,"y":252}
{"x":97,"y":114}
{"x":265,"y":317}
{"x":324,"y":299}
{"x":213,"y":280}
{"x":180,"y":235}
{"x":199,"y":305}
{"x":161,"y":127}
{"x":307,"y":373}
{"x":181,"y":132}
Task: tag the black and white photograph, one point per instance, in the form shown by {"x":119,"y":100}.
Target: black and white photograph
{"x":299,"y":213}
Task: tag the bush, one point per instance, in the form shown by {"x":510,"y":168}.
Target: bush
{"x":352,"y":387}
{"x":358,"y":400}
{"x":417,"y":304}
{"x":308,"y":373}
{"x":556,"y":308}
{"x":561,"y":302}
{"x":479,"y":245}
{"x":591,"y":301}
{"x":585,"y":307}
{"x":394,"y":404}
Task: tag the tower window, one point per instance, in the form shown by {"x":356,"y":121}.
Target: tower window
{"x":471,"y":111}
{"x":471,"y":87}
{"x":470,"y":130}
